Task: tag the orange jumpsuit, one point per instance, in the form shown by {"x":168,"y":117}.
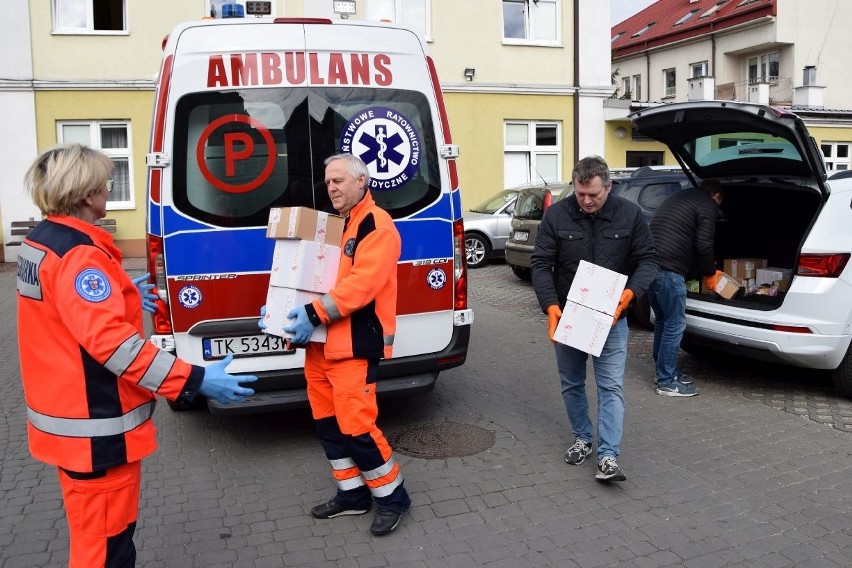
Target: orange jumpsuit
{"x":360,"y":312}
{"x":89,"y":380}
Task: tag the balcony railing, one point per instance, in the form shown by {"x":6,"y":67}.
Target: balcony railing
{"x":780,"y":90}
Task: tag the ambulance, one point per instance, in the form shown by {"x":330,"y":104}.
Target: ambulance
{"x":245,"y":113}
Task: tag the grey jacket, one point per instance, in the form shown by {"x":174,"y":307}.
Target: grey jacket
{"x":616,"y":237}
{"x":684,"y":229}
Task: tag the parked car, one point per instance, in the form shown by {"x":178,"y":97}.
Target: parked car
{"x":532,"y":202}
{"x":486,"y":227}
{"x":780,"y":207}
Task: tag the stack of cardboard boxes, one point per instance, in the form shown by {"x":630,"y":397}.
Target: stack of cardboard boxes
{"x":304,"y":263}
{"x":751,"y":275}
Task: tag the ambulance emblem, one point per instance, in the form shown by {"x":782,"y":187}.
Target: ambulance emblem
{"x":387,"y":142}
{"x":189,"y":297}
{"x":92,"y":285}
{"x":436,"y":278}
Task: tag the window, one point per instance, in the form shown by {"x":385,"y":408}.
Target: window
{"x":85,"y":16}
{"x":712,"y":10}
{"x":626,"y":92}
{"x":532,"y":152}
{"x":698,"y":69}
{"x":836,"y":155}
{"x":669,"y":82}
{"x":530,"y":22}
{"x":616,"y":36}
{"x":764,"y":68}
{"x":685,"y":18}
{"x":414,"y":13}
{"x":643,"y":30}
{"x":113,"y":139}
{"x":637,"y":87}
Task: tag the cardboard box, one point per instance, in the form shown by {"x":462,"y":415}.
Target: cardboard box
{"x":773,"y":275}
{"x":727,"y":286}
{"x":742,"y":268}
{"x":304,"y":223}
{"x":304,"y":265}
{"x":597,"y":287}
{"x":279,"y":302}
{"x":583,"y":328}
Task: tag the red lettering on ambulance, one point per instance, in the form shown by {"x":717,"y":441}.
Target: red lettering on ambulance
{"x":231,"y":139}
{"x":294,"y":67}
{"x":244,"y":72}
{"x":313,"y":62}
{"x":384,"y":76}
{"x":271,"y":65}
{"x":216,"y":75}
{"x":360,"y":69}
{"x":336,"y":70}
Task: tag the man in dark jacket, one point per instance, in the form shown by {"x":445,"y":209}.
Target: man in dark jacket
{"x":610,"y":232}
{"x":684,"y":229}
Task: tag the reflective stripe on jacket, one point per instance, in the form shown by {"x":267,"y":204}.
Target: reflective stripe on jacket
{"x":361,"y":308}
{"x":89,"y":376}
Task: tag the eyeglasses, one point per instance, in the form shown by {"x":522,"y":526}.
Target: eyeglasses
{"x":109,"y":185}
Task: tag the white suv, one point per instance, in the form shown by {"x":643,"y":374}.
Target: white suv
{"x":778,"y":206}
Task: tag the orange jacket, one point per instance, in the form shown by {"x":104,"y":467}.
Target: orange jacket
{"x":360,"y":310}
{"x":89,"y":376}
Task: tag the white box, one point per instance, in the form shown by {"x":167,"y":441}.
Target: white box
{"x":583,"y":328}
{"x":279,"y":302}
{"x":304,"y":265}
{"x":597,"y":287}
{"x":772,"y":274}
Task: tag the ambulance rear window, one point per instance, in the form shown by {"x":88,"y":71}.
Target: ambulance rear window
{"x":238,"y":153}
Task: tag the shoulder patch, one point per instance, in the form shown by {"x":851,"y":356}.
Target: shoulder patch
{"x":29,"y":266}
{"x":92,"y":285}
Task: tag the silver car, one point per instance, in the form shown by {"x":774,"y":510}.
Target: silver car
{"x":486,"y":227}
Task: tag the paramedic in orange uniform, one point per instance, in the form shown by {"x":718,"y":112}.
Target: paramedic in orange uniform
{"x":89,"y":376}
{"x":360,"y":312}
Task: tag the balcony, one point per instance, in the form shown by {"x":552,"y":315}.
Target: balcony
{"x":780,"y":91}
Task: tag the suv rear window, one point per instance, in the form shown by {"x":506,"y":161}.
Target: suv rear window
{"x":530,"y":204}
{"x":271,"y":152}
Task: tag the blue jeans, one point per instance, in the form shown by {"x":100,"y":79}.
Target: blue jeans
{"x":667,"y":296}
{"x":609,"y":378}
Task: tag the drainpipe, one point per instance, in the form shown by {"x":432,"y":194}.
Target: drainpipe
{"x":576,"y":80}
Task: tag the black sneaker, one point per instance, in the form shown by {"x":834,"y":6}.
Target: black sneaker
{"x":577,"y":453}
{"x":608,"y":470}
{"x":676,"y":388}
{"x":334,"y":509}
{"x":684,"y":379}
{"x":385,"y":522}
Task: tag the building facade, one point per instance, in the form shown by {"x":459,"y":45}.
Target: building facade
{"x":524,"y":82}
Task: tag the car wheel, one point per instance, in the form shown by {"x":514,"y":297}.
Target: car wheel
{"x":842,"y":375}
{"x":477,"y":250}
{"x":522,"y":273}
{"x":640,"y":313}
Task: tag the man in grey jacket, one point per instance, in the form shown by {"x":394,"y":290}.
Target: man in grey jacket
{"x":608,"y":231}
{"x":684,"y":230}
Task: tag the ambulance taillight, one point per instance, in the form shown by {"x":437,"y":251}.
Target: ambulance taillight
{"x":157,"y":266}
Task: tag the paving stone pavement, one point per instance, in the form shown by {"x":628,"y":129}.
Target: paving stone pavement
{"x":754,"y":472}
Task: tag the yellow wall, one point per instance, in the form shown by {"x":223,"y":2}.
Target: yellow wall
{"x":132,"y":106}
{"x":476,"y":123}
{"x":617,"y":148}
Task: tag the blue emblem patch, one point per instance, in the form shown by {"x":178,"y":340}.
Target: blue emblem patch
{"x":387,"y":142}
{"x":436,"y":278}
{"x":92,"y":285}
{"x":189,"y":297}
{"x":349,"y":248}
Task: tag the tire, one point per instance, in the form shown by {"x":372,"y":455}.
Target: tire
{"x":842,"y":375}
{"x":477,"y":250}
{"x":640,"y":313}
{"x":522,"y":273}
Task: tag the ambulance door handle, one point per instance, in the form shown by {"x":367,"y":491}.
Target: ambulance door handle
{"x":157,"y":160}
{"x":449,"y":151}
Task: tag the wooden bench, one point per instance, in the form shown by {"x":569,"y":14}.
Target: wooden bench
{"x":21,"y":229}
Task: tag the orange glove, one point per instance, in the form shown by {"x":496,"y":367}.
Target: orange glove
{"x":711,"y":281}
{"x":553,"y":315}
{"x":626,"y":298}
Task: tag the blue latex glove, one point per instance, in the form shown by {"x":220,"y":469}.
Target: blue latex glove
{"x":302,"y":328}
{"x":260,"y":323}
{"x":145,"y":288}
{"x":222,"y":387}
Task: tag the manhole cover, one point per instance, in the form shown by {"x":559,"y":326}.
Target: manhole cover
{"x":441,"y":440}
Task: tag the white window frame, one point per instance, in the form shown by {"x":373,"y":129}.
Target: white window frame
{"x":208,"y":4}
{"x":625,"y":87}
{"x":698,"y":69}
{"x":761,"y":64}
{"x":832,"y":161}
{"x":685,"y":17}
{"x":394,"y":11}
{"x":536,"y":19}
{"x":637,"y":87}
{"x":85,"y":9}
{"x":669,"y":91}
{"x":533,"y":151}
{"x":114,"y":153}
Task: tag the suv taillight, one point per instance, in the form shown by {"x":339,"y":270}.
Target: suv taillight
{"x":546,"y":201}
{"x":822,"y":265}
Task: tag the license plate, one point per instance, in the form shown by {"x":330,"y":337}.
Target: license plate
{"x":520,"y":236}
{"x":243,"y":346}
